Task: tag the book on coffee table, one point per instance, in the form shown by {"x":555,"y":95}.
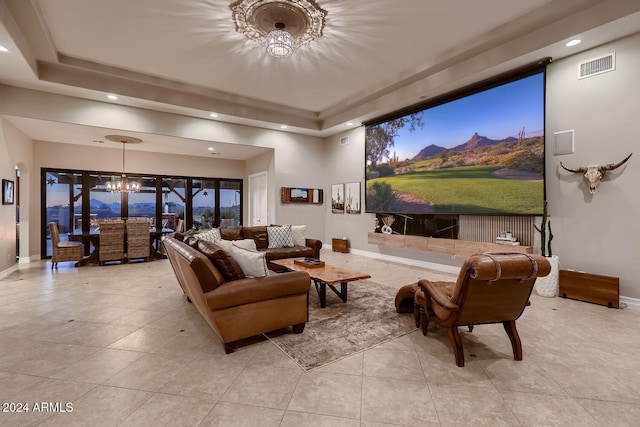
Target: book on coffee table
{"x":309,"y":262}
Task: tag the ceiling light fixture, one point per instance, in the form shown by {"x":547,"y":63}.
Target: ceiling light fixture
{"x":264,"y":21}
{"x":573,"y":42}
{"x":283,"y":126}
{"x":124,"y":185}
{"x":214,"y":115}
{"x":279,"y":42}
{"x":3,"y":49}
{"x":112,"y":96}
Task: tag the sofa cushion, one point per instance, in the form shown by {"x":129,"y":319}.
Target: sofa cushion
{"x":258,"y":234}
{"x":252,"y":263}
{"x":212,"y":235}
{"x":232,"y":233}
{"x":298,"y":234}
{"x":279,"y":237}
{"x":293,"y":252}
{"x":224,"y":262}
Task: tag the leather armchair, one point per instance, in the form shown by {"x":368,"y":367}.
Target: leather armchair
{"x":491,"y":288}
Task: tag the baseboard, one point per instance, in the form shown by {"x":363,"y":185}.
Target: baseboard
{"x":400,"y":260}
{"x":630,"y":303}
{"x":9,"y":271}
{"x":26,"y":259}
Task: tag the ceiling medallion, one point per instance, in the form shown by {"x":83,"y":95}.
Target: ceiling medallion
{"x":279,"y":25}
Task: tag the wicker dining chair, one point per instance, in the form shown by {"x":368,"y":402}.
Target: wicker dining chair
{"x":64,"y":251}
{"x":111,"y":241}
{"x":138,"y":238}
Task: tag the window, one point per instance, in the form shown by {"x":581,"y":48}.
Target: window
{"x":78,"y":200}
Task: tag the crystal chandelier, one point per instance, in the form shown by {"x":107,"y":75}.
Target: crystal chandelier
{"x":279,"y":42}
{"x":123,"y":185}
{"x":264,"y":22}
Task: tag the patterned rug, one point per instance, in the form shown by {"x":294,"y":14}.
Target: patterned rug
{"x":367,"y":319}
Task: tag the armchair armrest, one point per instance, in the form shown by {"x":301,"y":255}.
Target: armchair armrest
{"x":438,"y":293}
{"x":316,"y":245}
{"x":250,"y":290}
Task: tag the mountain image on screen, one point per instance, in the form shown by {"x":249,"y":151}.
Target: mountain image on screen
{"x":480,"y":154}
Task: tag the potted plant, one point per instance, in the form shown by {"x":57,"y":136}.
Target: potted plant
{"x":547,"y":286}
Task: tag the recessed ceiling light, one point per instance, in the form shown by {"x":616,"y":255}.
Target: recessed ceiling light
{"x":573,"y":42}
{"x":211,"y":149}
{"x":112,"y":96}
{"x":283,"y":126}
{"x":349,"y":123}
{"x":213,"y":115}
{"x":3,"y":49}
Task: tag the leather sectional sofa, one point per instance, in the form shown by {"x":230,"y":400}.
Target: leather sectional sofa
{"x":237,"y":309}
{"x":260,"y":237}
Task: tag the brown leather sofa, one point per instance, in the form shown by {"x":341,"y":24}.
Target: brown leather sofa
{"x":259,"y":235}
{"x":240,"y":308}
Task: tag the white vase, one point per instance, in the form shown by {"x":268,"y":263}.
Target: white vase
{"x":547,"y":286}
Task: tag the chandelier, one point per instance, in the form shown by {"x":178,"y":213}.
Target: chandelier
{"x":281,"y":26}
{"x":123,"y":185}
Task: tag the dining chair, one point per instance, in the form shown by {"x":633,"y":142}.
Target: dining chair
{"x":64,"y":251}
{"x":138,"y":238}
{"x":111,"y":241}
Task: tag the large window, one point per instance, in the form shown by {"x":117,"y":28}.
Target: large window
{"x":63,"y":205}
{"x":78,"y":200}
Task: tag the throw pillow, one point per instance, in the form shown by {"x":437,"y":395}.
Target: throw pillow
{"x":252,"y":263}
{"x":298,"y":234}
{"x":280,"y":237}
{"x":225,"y":263}
{"x":212,"y":235}
{"x":248,"y":244}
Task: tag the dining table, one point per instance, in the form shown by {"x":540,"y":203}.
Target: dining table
{"x":93,"y":237}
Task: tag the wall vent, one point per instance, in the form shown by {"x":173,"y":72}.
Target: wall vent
{"x":596,"y":66}
{"x":344,"y":140}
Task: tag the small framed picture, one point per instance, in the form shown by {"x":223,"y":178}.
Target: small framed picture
{"x":7,"y":192}
{"x":337,"y":198}
{"x":352,"y":198}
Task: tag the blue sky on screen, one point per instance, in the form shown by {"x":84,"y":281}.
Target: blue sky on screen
{"x":496,"y":113}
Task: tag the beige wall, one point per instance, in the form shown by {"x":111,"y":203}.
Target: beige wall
{"x":16,"y":149}
{"x":598,"y":234}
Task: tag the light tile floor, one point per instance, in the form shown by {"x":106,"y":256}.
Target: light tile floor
{"x":123,"y":347}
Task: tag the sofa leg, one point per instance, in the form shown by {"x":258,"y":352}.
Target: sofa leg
{"x":299,"y":328}
{"x":228,"y":348}
{"x":189,"y":300}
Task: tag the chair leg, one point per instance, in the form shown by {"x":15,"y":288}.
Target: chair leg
{"x":228,"y":348}
{"x":424,"y":320}
{"x":416,"y":314}
{"x":298,"y":328}
{"x":456,"y":343}
{"x":516,"y":344}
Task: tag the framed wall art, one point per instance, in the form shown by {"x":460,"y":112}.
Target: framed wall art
{"x":352,"y":203}
{"x":302,"y":195}
{"x":7,"y":192}
{"x":337,"y":198}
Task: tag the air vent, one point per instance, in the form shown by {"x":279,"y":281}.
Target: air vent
{"x":597,"y":66}
{"x":344,"y":140}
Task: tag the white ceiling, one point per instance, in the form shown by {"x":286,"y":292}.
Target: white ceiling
{"x":375,"y":56}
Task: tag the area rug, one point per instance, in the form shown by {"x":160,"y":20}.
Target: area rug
{"x":367,"y":319}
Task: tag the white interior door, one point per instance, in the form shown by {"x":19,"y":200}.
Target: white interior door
{"x":258,"y":199}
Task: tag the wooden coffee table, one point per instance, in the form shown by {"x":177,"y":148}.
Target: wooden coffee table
{"x":325,"y":276}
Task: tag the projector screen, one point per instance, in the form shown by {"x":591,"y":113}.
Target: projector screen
{"x":482,"y":153}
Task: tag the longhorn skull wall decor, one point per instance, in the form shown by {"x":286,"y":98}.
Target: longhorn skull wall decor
{"x":593,"y":174}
